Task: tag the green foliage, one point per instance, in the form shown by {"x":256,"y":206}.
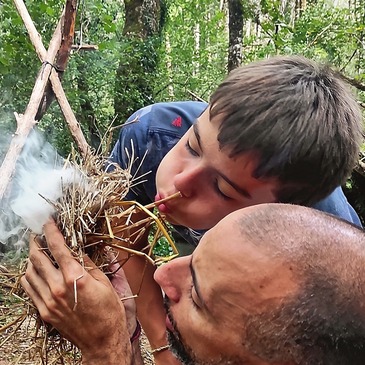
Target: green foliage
{"x":188,"y":55}
{"x":88,"y":76}
{"x":194,"y":54}
{"x":18,"y":62}
{"x":136,"y":74}
{"x":162,"y":247}
{"x":325,"y":34}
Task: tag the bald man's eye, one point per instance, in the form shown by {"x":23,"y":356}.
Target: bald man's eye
{"x":192,"y":299}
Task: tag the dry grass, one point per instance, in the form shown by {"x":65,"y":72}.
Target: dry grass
{"x":92,"y":215}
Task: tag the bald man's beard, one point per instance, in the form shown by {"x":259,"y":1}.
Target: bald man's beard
{"x":182,"y":352}
{"x":179,"y":350}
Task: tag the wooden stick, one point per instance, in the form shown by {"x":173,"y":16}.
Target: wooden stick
{"x":63,"y":55}
{"x":158,"y":202}
{"x":68,"y":114}
{"x":26,"y":122}
{"x":85,"y":47}
{"x":68,"y":32}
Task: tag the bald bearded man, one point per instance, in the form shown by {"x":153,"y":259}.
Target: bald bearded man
{"x":269,"y":284}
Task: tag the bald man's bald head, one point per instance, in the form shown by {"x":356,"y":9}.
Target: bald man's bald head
{"x":324,"y":322}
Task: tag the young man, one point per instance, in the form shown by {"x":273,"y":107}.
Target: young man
{"x":271,"y":284}
{"x":281,"y":130}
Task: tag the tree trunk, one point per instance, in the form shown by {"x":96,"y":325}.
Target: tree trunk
{"x":137,"y":65}
{"x":235,"y":9}
{"x":300,"y":6}
{"x":86,"y":115}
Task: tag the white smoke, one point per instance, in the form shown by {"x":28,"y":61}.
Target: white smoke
{"x":38,"y":181}
{"x":38,"y":189}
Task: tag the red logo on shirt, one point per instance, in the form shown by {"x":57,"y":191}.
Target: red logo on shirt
{"x":177,"y":122}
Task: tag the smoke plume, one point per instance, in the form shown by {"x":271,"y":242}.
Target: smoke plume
{"x":38,"y":181}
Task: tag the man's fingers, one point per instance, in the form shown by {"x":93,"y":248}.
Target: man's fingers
{"x":35,"y":287}
{"x":55,"y":240}
{"x":31,"y":292}
{"x":70,"y":268}
{"x":57,"y":245}
{"x":43,"y":265}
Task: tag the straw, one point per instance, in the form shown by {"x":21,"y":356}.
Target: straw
{"x":94,"y":219}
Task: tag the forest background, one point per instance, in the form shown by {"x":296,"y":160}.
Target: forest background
{"x":151,"y":50}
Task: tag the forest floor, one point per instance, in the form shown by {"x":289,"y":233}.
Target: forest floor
{"x":18,"y":344}
{"x":18,"y":351}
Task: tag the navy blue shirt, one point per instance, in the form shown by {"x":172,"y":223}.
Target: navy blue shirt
{"x":152,"y":131}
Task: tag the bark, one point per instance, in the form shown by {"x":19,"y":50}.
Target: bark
{"x":68,"y":32}
{"x":355,"y":83}
{"x":235,"y":9}
{"x":300,"y":6}
{"x":55,"y":81}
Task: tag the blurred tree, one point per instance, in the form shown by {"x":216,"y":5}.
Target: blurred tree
{"x":152,"y":51}
{"x":193,"y":56}
{"x":235,"y":9}
{"x":138,"y":60}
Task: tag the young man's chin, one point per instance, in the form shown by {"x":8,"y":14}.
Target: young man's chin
{"x":171,"y":219}
{"x":182,"y":222}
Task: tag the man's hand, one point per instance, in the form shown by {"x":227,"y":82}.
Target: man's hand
{"x":79,"y":302}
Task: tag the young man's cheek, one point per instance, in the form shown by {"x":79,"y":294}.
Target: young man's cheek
{"x":164,"y":175}
{"x":170,"y":166}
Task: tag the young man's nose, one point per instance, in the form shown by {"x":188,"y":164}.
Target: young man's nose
{"x":189,"y":180}
{"x":170,"y":277}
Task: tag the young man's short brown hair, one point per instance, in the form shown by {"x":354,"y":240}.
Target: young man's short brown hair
{"x":298,"y":117}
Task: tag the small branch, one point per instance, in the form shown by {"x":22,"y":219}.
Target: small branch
{"x":355,"y":83}
{"x":324,"y":30}
{"x":85,"y":47}
{"x":196,"y":97}
{"x":349,"y":60}
{"x":63,"y":54}
{"x":68,"y":33}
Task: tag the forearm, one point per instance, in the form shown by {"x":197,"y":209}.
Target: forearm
{"x":150,"y":310}
{"x":115,"y":357}
{"x":119,"y":356}
{"x":98,"y":325}
{"x":152,"y":315}
{"x":118,"y":353}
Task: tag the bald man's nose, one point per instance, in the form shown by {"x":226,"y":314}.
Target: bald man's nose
{"x":172,"y":276}
{"x":163,"y":276}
